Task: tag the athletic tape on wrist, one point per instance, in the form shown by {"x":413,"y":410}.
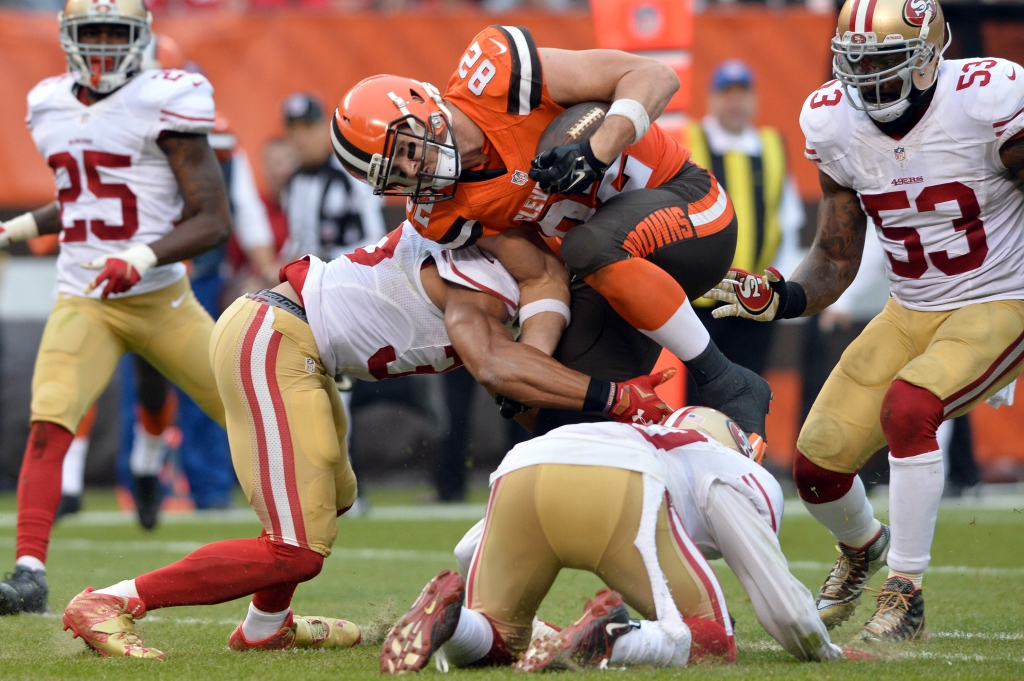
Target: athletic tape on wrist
{"x":544,"y":305}
{"x":635,"y":112}
{"x":21,"y":228}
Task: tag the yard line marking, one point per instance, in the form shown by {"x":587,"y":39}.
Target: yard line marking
{"x":772,"y":646}
{"x":243,"y":516}
{"x":183,"y":547}
{"x":934,"y":569}
{"x":992,"y":636}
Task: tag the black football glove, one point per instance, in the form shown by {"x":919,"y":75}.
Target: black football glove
{"x":567,"y":169}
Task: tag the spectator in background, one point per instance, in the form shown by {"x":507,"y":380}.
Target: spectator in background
{"x":330,"y":213}
{"x":750,"y":164}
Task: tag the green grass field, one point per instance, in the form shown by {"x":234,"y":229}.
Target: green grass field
{"x":974,"y":596}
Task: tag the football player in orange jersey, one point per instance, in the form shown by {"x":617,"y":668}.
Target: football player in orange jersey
{"x":641,"y":224}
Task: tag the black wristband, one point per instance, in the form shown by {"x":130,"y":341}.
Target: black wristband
{"x":599,"y":396}
{"x":594,"y":162}
{"x":795,"y":302}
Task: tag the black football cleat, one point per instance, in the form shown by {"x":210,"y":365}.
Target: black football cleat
{"x":24,"y":591}
{"x":69,"y":505}
{"x":148,"y":496}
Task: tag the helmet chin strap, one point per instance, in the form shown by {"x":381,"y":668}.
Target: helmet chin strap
{"x":890,"y":113}
{"x":448,"y":164}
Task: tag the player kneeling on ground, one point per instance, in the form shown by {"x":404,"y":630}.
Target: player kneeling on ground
{"x":639,"y":506}
{"x":377,"y":313}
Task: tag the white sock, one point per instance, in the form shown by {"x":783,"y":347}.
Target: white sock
{"x":915,"y":488}
{"x":850,"y":518}
{"x":683,"y":334}
{"x":648,"y":644}
{"x":30,"y":562}
{"x":471,"y":641}
{"x":72,"y":476}
{"x":124,"y":589}
{"x":259,"y":625}
{"x":148,"y":453}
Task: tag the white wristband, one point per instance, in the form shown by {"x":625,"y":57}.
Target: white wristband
{"x":635,"y":112}
{"x":21,"y":228}
{"x":544,"y":305}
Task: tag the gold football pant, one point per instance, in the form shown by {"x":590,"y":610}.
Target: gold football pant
{"x":961,"y":356}
{"x":543,"y":518}
{"x":286,"y":424}
{"x":84,"y":338}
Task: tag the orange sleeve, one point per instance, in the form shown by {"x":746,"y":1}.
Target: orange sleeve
{"x":443,"y":223}
{"x":499,"y":72}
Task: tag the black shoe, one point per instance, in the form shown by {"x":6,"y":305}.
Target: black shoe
{"x":69,"y":505}
{"x":899,"y":616}
{"x":148,"y":496}
{"x":741,"y":395}
{"x":24,"y":591}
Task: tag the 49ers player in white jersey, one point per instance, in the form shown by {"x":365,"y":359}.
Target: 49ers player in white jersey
{"x":377,"y":313}
{"x":933,"y":152}
{"x":138,"y":191}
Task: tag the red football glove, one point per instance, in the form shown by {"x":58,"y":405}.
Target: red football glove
{"x":121,"y":271}
{"x":853,"y":654}
{"x":636,"y":401}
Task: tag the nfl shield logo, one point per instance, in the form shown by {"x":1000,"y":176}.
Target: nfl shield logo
{"x":520,"y":178}
{"x":899,"y":153}
{"x":310,"y":366}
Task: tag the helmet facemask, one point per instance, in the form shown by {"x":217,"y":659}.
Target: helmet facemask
{"x":871,"y":69}
{"x":432,"y":144}
{"x":104,"y":67}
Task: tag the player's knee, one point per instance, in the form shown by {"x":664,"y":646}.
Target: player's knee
{"x":910,"y":417}
{"x":296,"y":564}
{"x":587,"y":250}
{"x":817,"y":485}
{"x":52,"y":401}
{"x":709,"y":641}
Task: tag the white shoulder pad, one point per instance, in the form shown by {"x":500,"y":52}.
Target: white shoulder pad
{"x":991,"y":92}
{"x":39,"y":98}
{"x":474,"y":269}
{"x":182,"y":101}
{"x":828,"y":123}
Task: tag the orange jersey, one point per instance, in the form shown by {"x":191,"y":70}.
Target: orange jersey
{"x":500,"y":85}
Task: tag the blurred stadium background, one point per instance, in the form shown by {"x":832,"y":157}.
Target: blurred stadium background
{"x":256,"y":52}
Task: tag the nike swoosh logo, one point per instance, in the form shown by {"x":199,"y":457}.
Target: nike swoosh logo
{"x":177,"y":302}
{"x":502,"y":49}
{"x":612,"y":627}
{"x":429,"y":610}
{"x":1013,"y":74}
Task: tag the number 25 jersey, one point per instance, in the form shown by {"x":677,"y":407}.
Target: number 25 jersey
{"x":114,"y":184}
{"x":947,"y":212}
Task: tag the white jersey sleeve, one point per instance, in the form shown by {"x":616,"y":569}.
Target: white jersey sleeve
{"x":997,"y":106}
{"x":252,"y":225}
{"x":829,"y":130}
{"x":783,"y":605}
{"x":474,"y":269}
{"x":182,"y":101}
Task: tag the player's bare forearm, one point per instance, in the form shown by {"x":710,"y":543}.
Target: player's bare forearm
{"x":540,"y":275}
{"x":206,"y":221}
{"x":1012,"y":156}
{"x":515,"y":370}
{"x":834,"y":258}
{"x":604,"y":76}
{"x":48,"y":218}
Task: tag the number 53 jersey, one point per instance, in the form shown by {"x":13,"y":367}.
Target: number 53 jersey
{"x":114,"y":184}
{"x":948,"y":213}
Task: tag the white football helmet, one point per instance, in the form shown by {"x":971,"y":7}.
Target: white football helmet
{"x":882,"y":41}
{"x":720,"y":428}
{"x":104,"y":67}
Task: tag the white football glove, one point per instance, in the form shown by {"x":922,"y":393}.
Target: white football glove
{"x":20,"y":228}
{"x":760,"y":298}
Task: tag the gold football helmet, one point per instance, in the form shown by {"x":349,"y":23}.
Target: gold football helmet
{"x":104,"y":66}
{"x":717,"y":426}
{"x":884,"y":48}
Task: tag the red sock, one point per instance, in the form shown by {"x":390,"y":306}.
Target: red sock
{"x":226,"y":570}
{"x":644,"y":294}
{"x":39,"y":487}
{"x":710,"y":641}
